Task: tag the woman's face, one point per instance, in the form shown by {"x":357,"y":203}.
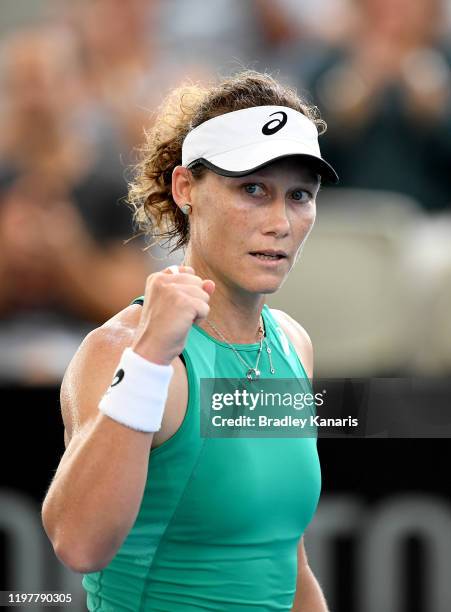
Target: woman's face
{"x":271,"y":209}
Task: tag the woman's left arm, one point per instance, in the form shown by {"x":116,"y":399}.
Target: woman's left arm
{"x":309,"y":597}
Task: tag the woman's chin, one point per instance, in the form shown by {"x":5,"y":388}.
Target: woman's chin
{"x":265,"y":285}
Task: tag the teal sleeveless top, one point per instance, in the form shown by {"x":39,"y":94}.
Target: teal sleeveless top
{"x":221,"y":518}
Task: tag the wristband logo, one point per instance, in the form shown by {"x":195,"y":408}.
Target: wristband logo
{"x":118,"y":377}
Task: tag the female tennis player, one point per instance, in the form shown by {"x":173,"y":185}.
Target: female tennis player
{"x":154,"y":515}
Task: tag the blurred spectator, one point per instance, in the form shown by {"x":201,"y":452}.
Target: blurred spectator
{"x":62,"y":260}
{"x":386,"y":92}
{"x":322,"y":21}
{"x":226,"y":35}
{"x":127,"y":74}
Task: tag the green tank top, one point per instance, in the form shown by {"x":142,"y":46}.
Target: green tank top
{"x":220,"y":519}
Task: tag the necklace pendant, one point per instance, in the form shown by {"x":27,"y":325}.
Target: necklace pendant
{"x":252,"y":371}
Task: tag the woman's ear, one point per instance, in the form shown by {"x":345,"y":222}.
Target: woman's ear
{"x":181,"y":185}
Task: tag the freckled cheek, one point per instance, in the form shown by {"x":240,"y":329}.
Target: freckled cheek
{"x":309,"y":218}
{"x":222,"y":233}
{"x":234,"y":232}
{"x":305,"y":224}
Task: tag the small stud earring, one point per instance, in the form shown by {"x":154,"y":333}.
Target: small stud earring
{"x":186,"y":209}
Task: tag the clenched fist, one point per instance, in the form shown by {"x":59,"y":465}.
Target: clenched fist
{"x":172,"y":303}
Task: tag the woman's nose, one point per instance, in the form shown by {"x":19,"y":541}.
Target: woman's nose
{"x":278,"y":222}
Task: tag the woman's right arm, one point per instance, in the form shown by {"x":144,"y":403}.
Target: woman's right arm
{"x":95,"y":495}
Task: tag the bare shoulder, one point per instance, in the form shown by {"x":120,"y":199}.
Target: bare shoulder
{"x":298,"y":336}
{"x":91,"y":368}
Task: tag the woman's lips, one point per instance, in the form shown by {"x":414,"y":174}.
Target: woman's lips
{"x":273,"y":262}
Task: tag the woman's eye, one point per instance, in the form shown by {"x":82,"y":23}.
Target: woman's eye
{"x":253,"y":188}
{"x":300,"y":195}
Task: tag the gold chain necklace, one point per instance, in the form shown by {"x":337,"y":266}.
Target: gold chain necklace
{"x":251,"y":373}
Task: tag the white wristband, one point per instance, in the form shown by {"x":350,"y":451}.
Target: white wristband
{"x":138,"y":392}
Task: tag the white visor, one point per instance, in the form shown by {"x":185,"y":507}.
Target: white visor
{"x":240,"y":142}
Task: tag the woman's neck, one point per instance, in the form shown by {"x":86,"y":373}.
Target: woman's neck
{"x":236,"y":330}
{"x":236,"y":316}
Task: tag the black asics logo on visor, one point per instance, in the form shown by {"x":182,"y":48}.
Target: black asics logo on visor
{"x":118,"y":377}
{"x":279,"y":123}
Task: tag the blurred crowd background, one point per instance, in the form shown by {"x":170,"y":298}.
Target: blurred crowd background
{"x":79,"y":81}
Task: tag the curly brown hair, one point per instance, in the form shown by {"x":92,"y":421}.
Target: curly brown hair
{"x":155,"y":212}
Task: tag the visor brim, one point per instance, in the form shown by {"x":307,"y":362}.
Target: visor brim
{"x":319,"y":165}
